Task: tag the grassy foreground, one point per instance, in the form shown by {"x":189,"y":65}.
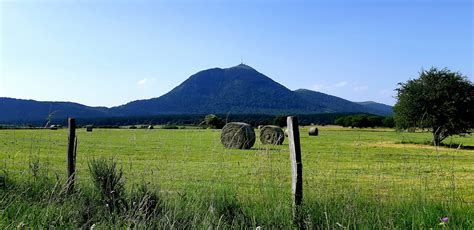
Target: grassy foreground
{"x":353,"y":178}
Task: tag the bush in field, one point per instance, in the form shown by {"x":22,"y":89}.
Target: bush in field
{"x":107,"y":179}
{"x":439,"y":100}
{"x":213,"y":122}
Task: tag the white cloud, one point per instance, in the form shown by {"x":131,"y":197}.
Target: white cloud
{"x":340,"y":84}
{"x":360,"y":88}
{"x":143,"y":81}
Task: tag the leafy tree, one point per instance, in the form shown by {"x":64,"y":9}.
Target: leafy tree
{"x":439,"y":100}
{"x":213,"y":122}
{"x":340,"y":121}
{"x":388,"y":122}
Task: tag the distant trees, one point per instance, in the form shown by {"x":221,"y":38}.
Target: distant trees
{"x":439,"y":100}
{"x":279,"y":120}
{"x":388,"y":122}
{"x":363,"y":121}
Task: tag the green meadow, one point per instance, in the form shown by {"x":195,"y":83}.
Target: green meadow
{"x":352,"y":178}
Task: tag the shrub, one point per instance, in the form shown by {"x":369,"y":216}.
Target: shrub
{"x":213,"y":122}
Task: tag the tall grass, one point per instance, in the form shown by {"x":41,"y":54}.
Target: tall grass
{"x":347,"y":185}
{"x":43,"y":203}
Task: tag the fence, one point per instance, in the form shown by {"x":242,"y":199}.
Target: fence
{"x":337,"y":163}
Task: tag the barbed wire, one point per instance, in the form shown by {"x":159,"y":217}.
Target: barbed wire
{"x":199,"y":160}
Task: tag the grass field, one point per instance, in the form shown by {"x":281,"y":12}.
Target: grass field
{"x":353,"y":178}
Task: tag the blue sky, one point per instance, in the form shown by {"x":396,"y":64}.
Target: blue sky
{"x":111,"y":52}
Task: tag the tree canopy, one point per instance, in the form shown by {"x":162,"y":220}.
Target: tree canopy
{"x":365,"y":121}
{"x":439,"y":100}
{"x":213,"y":122}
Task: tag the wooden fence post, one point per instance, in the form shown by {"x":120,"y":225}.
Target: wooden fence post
{"x":71,"y":154}
{"x":296,"y":165}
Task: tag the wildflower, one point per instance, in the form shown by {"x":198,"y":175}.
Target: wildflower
{"x":444,"y":220}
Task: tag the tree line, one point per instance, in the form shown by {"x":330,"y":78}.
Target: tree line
{"x":209,"y":120}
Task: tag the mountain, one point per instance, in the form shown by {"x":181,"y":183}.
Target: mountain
{"x":331,"y":104}
{"x":20,"y":111}
{"x":236,"y":90}
{"x":382,"y":109}
{"x":240,"y":89}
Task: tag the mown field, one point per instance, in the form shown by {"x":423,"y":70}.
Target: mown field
{"x":353,"y":178}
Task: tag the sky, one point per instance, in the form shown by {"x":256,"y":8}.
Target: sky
{"x":107,"y":53}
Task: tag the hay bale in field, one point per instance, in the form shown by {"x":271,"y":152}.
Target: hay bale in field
{"x":237,"y":135}
{"x":313,"y":131}
{"x":150,"y":127}
{"x":89,"y":128}
{"x":271,"y":134}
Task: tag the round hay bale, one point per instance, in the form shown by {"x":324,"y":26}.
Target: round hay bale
{"x":313,"y":131}
{"x":150,"y":127}
{"x":271,"y":134}
{"x":237,"y":135}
